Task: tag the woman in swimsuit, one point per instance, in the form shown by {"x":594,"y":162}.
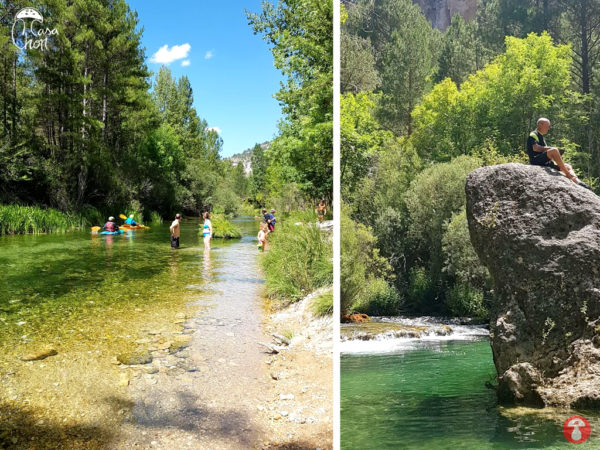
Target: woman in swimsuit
{"x":207,"y":230}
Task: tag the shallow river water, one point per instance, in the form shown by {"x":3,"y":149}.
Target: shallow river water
{"x":91,"y":298}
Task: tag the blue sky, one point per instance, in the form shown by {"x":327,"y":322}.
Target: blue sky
{"x":230,"y":68}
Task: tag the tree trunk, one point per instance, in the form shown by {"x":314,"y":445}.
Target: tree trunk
{"x":585,"y":70}
{"x":14,"y":100}
{"x":84,"y":101}
{"x":4,"y":96}
{"x":105,"y":82}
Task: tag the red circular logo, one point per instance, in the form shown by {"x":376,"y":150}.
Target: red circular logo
{"x":576,"y":429}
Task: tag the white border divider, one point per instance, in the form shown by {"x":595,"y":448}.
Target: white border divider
{"x":336,"y":218}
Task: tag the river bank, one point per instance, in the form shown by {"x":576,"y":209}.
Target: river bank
{"x":103,"y":304}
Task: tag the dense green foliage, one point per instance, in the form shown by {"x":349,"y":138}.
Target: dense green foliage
{"x":298,"y":260}
{"x":85,"y":125}
{"x":223,"y":228}
{"x":501,"y":102}
{"x":428,"y":108}
{"x":363,"y":284}
{"x":300,"y":33}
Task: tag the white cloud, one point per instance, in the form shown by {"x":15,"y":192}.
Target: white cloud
{"x":166,"y":55}
{"x":185,"y":63}
{"x":217,"y":129}
{"x":209,"y":54}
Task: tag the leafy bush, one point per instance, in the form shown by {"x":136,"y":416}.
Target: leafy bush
{"x":465,"y":300}
{"x":501,"y":100}
{"x":223,"y":228}
{"x":287,"y":199}
{"x":434,"y":195}
{"x":460,"y":260}
{"x":298,"y":261}
{"x":380,"y":299}
{"x":360,"y":261}
{"x":421,"y":294}
{"x":248,"y":209}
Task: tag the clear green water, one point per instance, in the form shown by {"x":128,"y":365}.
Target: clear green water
{"x":91,"y":298}
{"x":434,"y":397}
{"x":58,"y":286}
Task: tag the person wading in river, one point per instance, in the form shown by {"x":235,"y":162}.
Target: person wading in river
{"x":174,"y":228}
{"x":262,"y":236}
{"x":321,"y":210}
{"x":207,"y":230}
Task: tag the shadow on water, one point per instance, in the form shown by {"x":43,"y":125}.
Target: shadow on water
{"x":22,"y":429}
{"x":192,"y":416}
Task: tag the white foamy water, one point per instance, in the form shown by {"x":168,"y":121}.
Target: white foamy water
{"x":386,"y":343}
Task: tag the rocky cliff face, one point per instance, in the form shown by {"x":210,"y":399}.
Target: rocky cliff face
{"x":539,"y":235}
{"x":440,"y":12}
{"x":245,"y":158}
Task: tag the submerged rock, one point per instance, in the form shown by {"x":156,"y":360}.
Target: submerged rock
{"x":40,"y":354}
{"x":135,"y":357}
{"x":179,"y":343}
{"x":539,"y":236}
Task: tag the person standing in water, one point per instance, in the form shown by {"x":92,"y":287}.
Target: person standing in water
{"x":207,"y":230}
{"x":174,"y":228}
{"x":262,"y":237}
{"x":321,"y":210}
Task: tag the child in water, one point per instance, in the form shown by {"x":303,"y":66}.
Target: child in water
{"x":262,"y":237}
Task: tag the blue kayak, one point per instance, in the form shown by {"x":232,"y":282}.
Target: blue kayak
{"x":112,"y":232}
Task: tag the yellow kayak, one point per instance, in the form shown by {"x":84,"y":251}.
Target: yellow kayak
{"x":131,"y":227}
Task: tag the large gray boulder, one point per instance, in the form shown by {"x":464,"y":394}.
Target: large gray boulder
{"x":539,"y":236}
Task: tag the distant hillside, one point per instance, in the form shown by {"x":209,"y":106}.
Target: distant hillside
{"x":245,"y":157}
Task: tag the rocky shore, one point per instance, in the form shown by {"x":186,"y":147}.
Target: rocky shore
{"x":539,"y":235}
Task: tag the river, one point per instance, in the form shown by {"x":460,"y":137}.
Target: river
{"x":430,"y":393}
{"x":91,"y":298}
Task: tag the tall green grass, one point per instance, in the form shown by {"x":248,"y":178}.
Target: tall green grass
{"x":155,"y":218}
{"x":322,"y":304}
{"x":16,"y":219}
{"x":298,"y":259}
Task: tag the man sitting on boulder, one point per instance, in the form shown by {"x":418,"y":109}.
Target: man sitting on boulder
{"x":542,"y":155}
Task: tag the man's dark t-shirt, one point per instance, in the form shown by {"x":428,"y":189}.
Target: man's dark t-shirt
{"x":535,"y":137}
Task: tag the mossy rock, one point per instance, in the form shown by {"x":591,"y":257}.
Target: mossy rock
{"x":179,"y":344}
{"x":135,"y":357}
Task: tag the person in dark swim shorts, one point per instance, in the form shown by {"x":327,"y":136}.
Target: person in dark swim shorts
{"x":542,"y":155}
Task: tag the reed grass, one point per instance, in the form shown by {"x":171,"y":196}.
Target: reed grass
{"x":17,"y":219}
{"x":155,"y":218}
